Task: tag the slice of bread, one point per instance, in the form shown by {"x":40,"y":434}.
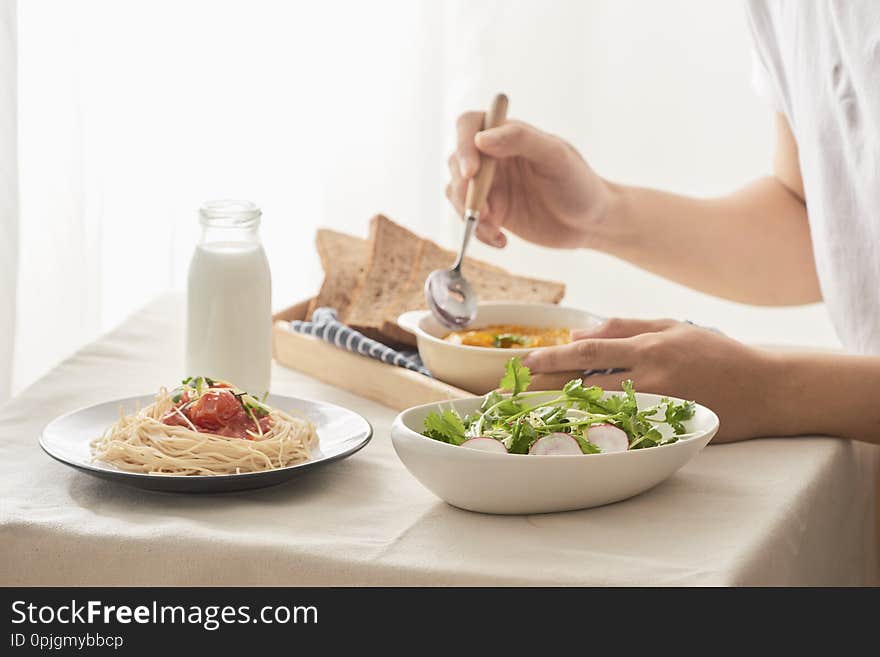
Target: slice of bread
{"x":371,"y":282}
{"x":412,"y":293}
{"x":394,"y":250}
{"x":490,"y":283}
{"x":343,"y":258}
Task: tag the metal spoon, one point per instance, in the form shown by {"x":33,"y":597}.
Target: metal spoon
{"x":450,"y":297}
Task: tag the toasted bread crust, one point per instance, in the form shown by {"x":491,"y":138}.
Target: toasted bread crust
{"x":342,"y":258}
{"x":371,"y":282}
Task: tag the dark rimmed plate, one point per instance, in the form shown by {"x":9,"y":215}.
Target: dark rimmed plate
{"x":341,"y":433}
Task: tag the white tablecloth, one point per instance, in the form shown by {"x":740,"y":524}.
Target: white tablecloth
{"x":776,"y":511}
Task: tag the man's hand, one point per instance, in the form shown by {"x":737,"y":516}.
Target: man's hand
{"x":670,"y":358}
{"x":543,"y":189}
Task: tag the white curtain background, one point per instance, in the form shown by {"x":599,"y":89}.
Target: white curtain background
{"x":8,"y":193}
{"x":130,"y":114}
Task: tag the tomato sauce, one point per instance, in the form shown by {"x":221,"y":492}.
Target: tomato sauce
{"x":219,"y":412}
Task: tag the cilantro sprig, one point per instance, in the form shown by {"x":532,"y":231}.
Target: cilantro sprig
{"x":505,"y":340}
{"x":446,"y":427}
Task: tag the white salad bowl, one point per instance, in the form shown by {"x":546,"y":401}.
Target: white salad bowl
{"x":525,"y":483}
{"x":476,"y":368}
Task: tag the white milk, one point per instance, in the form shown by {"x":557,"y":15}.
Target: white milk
{"x":229,"y":322}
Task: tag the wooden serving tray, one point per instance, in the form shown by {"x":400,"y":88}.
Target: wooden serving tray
{"x":392,"y":386}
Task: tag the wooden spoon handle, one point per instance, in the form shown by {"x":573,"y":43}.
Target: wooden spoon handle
{"x":480,"y":184}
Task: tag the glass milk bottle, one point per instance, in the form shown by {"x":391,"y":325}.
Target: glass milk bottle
{"x":229,"y":316}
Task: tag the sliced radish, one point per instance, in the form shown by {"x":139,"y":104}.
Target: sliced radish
{"x":485,"y":444}
{"x":555,"y":444}
{"x":608,"y":438}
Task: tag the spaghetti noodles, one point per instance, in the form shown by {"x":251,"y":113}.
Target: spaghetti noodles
{"x":206,"y":427}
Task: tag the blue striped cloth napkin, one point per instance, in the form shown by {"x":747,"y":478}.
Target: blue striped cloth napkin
{"x":325,"y":324}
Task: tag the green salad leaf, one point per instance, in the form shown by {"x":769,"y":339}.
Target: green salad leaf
{"x":677,"y":414}
{"x":446,"y":427}
{"x":522,"y":437}
{"x":574,"y":390}
{"x":516,"y":377}
{"x":518,"y":419}
{"x":586,"y":446}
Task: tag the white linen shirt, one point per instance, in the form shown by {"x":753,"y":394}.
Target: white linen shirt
{"x":818,"y":62}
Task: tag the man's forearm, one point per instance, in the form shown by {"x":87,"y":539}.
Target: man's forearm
{"x":820,"y":393}
{"x":752,"y":246}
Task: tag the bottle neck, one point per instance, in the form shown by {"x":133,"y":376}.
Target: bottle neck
{"x":230,"y":222}
{"x":229,"y":235}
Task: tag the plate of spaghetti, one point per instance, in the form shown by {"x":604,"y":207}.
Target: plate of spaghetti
{"x":205,"y":435}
